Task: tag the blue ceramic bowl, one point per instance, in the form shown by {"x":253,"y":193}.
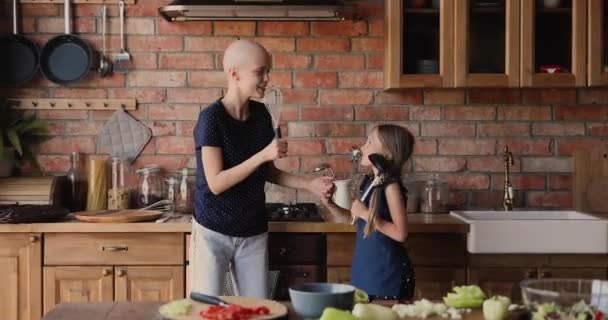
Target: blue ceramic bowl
{"x":310,"y":299}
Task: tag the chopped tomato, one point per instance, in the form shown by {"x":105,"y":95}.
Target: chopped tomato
{"x":233,"y":312}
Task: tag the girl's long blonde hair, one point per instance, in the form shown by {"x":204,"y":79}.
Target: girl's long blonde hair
{"x":398,"y":143}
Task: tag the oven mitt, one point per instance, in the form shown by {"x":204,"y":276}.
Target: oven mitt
{"x":123,"y":136}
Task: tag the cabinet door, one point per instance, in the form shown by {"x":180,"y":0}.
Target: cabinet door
{"x":554,"y":38}
{"x":77,"y":284}
{"x":502,"y":281}
{"x":20,"y":270}
{"x":338,"y":275}
{"x":419,"y":44}
{"x":575,"y":273}
{"x":435,"y":283}
{"x":149,"y":283}
{"x":598,"y":43}
{"x":486,"y":43}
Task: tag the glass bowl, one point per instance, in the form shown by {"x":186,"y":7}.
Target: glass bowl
{"x":565,"y":293}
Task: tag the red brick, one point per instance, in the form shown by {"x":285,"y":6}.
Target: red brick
{"x":590,"y":113}
{"x":469,"y":113}
{"x":274,"y":44}
{"x":63,"y":114}
{"x":54,"y":164}
{"x":597,"y":129}
{"x":173,"y":112}
{"x":438,"y":96}
{"x":381,"y":113}
{"x":558,"y":129}
{"x":340,"y":61}
{"x":567,"y":147}
{"x":57,"y":25}
{"x":527,"y":147}
{"x":439,"y":164}
{"x":37,"y":10}
{"x":324,"y":113}
{"x":503,"y":129}
{"x":143,"y":60}
{"x":368,"y":80}
{"x":546,"y":164}
{"x":299,"y":97}
{"x":343,"y":146}
{"x":457,"y":199}
{"x":550,"y":199}
{"x":338,"y":164}
{"x":190,"y":28}
{"x":168,"y":163}
{"x":132,"y":26}
{"x":143,"y":8}
{"x":185,"y":128}
{"x":207,"y":79}
{"x":69,"y":93}
{"x":86,"y":10}
{"x":309,"y":79}
{"x":467,"y":147}
{"x":595,"y":95}
{"x":26,"y":25}
{"x":186,"y":61}
{"x":98,"y":115}
{"x":467,"y":182}
{"x":56,"y":128}
{"x":291,"y":61}
{"x":95,"y":42}
{"x":24,"y":92}
{"x":338,"y":97}
{"x":549,"y":96}
{"x":367,"y":44}
{"x":281,"y":79}
{"x":375,"y":61}
{"x":323,"y":44}
{"x":376,"y":28}
{"x":446,"y":129}
{"x":524,"y":113}
{"x":425,"y":113}
{"x":491,"y":164}
{"x":236,"y":28}
{"x":157,"y":79}
{"x":520,"y":182}
{"x":494,"y":96}
{"x":339,"y":130}
{"x":65,"y":145}
{"x":301,"y":129}
{"x":93,"y":80}
{"x":302,"y":147}
{"x":424,"y":147}
{"x":162,"y":128}
{"x":282,"y":28}
{"x":400,"y":97}
{"x":218,"y":44}
{"x":289,"y":114}
{"x":493,"y":199}
{"x":560,"y":182}
{"x":154,"y":43}
{"x":341,"y":28}
{"x":174,"y":145}
{"x":288,"y":164}
{"x":185,"y":95}
{"x":413,"y":128}
{"x":143,"y":95}
{"x":84,"y":128}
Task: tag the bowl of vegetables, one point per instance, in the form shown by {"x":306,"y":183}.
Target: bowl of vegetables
{"x":566,"y":299}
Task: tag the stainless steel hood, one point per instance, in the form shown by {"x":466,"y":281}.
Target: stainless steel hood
{"x":189,"y":10}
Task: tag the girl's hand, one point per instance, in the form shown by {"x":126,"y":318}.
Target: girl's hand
{"x":275,"y":150}
{"x":359,"y":209}
{"x":326,"y":200}
{"x":321,"y":186}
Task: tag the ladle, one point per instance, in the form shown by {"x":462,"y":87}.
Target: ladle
{"x":105,"y":65}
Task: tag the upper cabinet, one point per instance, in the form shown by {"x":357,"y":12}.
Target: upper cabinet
{"x":598,"y":43}
{"x":553,"y":42}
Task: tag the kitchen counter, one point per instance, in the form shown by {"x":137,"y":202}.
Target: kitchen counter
{"x":418,"y":223}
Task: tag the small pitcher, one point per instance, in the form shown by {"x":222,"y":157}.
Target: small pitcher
{"x":342,"y":195}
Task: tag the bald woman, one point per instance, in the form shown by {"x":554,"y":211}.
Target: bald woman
{"x":235,"y":150}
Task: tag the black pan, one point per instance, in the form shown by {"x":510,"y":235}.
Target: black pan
{"x":66,"y":58}
{"x":19,"y":56}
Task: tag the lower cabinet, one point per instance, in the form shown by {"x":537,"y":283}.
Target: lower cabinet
{"x":433,"y":283}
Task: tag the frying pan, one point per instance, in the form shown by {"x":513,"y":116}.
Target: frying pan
{"x":19,"y":56}
{"x":66,"y":58}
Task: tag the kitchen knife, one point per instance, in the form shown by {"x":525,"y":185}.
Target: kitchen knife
{"x":200,"y":297}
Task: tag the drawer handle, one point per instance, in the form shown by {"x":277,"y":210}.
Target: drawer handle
{"x":114,"y":248}
{"x":33,"y":239}
{"x":106,"y":272}
{"x":121,"y":273}
{"x":283,"y":251}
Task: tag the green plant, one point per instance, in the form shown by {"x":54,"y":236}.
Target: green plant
{"x":21,"y":131}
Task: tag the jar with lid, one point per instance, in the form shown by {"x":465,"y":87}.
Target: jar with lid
{"x":434,"y":198}
{"x":150,"y":187}
{"x":118,"y":194}
{"x":184,"y":196}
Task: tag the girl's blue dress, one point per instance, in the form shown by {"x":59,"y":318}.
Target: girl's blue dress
{"x":381,"y":266}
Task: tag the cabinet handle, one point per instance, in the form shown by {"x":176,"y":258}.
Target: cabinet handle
{"x":546,"y":274}
{"x":530,"y":274}
{"x":106,"y":272}
{"x":121,"y":273}
{"x":114,"y":248}
{"x":33,"y":239}
{"x":283,"y":251}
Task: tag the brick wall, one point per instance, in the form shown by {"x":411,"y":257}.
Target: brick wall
{"x":331,"y":75}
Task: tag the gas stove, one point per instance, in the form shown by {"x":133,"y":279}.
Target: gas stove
{"x":304,"y":212}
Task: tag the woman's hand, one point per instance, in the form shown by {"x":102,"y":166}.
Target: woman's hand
{"x":359,"y":209}
{"x":275,"y":150}
{"x":321,"y":186}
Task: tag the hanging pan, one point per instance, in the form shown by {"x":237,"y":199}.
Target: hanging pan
{"x":66,"y":58}
{"x":19,"y":56}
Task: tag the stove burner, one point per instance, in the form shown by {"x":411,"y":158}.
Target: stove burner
{"x":293,"y":212}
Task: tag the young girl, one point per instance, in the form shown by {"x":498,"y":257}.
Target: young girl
{"x":381,"y":265}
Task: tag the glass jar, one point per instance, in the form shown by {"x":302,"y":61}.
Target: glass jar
{"x":118,"y":194}
{"x":150,"y":188}
{"x":184,"y":197}
{"x":434,"y":197}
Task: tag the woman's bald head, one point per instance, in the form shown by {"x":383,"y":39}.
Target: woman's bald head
{"x":242,"y":53}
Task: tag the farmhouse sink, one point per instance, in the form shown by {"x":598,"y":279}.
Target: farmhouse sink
{"x":534,"y":232}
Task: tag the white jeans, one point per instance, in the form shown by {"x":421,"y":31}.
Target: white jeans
{"x":214,"y":254}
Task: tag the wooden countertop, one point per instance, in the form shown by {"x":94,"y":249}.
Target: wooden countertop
{"x":418,"y":223}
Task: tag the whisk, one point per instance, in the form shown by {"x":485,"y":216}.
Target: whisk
{"x":162,"y":205}
{"x":273,"y":100}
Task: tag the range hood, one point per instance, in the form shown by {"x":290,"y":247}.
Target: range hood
{"x":192,"y":10}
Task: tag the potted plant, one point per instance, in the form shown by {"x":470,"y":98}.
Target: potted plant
{"x":19,"y":131}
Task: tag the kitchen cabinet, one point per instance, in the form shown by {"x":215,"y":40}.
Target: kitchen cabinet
{"x":597,"y":49}
{"x":486,"y":43}
{"x":20,"y":275}
{"x":554,"y":38}
{"x":501,"y":281}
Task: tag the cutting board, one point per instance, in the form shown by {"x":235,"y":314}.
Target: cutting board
{"x":117,"y":216}
{"x":277,"y":310}
{"x":590,"y":190}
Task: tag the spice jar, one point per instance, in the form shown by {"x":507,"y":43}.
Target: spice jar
{"x":118,"y":194}
{"x":184,"y":197}
{"x":434,"y":196}
{"x":150,"y":188}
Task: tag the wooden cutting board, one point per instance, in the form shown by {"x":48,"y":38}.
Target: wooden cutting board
{"x":590,"y":189}
{"x":277,"y":310}
{"x":117,"y":216}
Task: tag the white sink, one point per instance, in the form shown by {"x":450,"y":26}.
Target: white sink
{"x":534,"y":232}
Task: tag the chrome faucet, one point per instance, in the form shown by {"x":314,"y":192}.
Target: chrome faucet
{"x":507,"y":201}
